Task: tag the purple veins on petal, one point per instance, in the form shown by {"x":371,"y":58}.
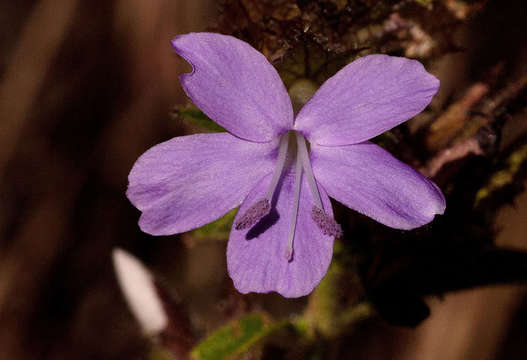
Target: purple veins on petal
{"x":326,"y":223}
{"x":256,"y":212}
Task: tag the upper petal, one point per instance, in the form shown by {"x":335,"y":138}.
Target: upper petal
{"x":235,"y":86}
{"x":367,"y":97}
{"x":368,"y":179}
{"x":256,"y":257}
{"x":189,"y":181}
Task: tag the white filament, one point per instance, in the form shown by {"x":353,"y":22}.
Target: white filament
{"x":280,"y":163}
{"x":306,"y":164}
{"x":302,"y":164}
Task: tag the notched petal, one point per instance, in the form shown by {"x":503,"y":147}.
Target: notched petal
{"x":235,"y":86}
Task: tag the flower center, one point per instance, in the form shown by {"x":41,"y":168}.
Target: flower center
{"x":302,"y":164}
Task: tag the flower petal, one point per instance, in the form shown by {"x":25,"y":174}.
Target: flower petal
{"x":256,"y":257}
{"x":370,"y":180}
{"x":235,"y":86}
{"x":367,"y":97}
{"x":189,"y":181}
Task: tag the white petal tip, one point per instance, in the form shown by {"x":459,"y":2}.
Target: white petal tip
{"x":139,"y":291}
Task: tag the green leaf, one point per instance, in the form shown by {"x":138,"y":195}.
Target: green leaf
{"x":505,"y":176}
{"x":235,"y":338}
{"x":217,"y":230}
{"x":197,"y":117}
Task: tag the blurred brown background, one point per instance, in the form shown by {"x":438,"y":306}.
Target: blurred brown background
{"x":85,"y":88}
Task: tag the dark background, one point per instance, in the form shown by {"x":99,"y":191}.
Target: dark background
{"x":88,"y":86}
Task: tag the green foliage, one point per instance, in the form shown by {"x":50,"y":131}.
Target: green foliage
{"x":505,"y":176}
{"x":235,"y":338}
{"x":322,"y":313}
{"x":217,"y":230}
{"x":198,"y":118}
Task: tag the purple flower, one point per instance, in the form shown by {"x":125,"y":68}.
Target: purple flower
{"x":282,"y":237}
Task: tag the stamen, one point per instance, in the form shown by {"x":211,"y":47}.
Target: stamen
{"x":257,"y":211}
{"x":296,"y":200}
{"x":326,"y":223}
{"x":306,"y":163}
{"x":263,"y":206}
{"x":280,"y":163}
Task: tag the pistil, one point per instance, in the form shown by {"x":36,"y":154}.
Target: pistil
{"x":296,"y":200}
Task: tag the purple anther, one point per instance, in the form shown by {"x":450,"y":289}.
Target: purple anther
{"x":326,"y":223}
{"x":257,"y":211}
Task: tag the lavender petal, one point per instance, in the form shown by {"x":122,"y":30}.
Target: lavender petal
{"x":255,"y":256}
{"x":368,"y":179}
{"x":189,"y":181}
{"x":367,"y":97}
{"x":235,"y":86}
